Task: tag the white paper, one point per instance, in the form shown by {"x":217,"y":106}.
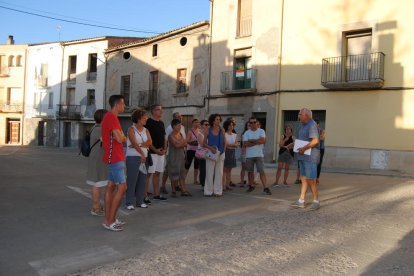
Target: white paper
{"x":300,"y":144}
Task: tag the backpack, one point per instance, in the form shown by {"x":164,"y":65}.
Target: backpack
{"x":86,"y":147}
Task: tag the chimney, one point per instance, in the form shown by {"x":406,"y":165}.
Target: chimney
{"x":10,"y":40}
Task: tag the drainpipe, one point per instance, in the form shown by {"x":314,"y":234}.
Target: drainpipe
{"x":60,"y":93}
{"x":279,"y":85}
{"x":210,"y":55}
{"x":24,"y":97}
{"x":106,"y":72}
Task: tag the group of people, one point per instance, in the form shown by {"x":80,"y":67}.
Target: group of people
{"x":153,"y":149}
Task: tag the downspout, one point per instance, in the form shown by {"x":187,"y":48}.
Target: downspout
{"x":210,"y":55}
{"x":24,"y":97}
{"x":106,"y":72}
{"x":60,"y":94}
{"x":279,"y":85}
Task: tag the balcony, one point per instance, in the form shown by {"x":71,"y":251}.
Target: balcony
{"x":40,"y":111}
{"x":69,"y":112}
{"x":11,"y":107}
{"x":356,"y":71}
{"x":142,"y":99}
{"x":238,"y":81}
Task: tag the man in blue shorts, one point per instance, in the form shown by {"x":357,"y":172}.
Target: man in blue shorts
{"x":112,"y":142}
{"x":308,"y":163}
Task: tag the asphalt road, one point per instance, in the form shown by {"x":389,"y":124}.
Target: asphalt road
{"x":365,"y":226}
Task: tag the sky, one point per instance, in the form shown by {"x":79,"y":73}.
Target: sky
{"x":148,"y":17}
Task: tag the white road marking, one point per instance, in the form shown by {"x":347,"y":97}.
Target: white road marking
{"x":88,"y":195}
{"x":60,"y":265}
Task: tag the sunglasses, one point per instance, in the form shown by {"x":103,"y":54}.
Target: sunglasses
{"x":206,"y":124}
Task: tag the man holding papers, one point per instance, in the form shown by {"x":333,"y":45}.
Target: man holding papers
{"x":307,"y":153}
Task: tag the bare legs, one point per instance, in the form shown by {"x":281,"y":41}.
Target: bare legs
{"x":113,"y":197}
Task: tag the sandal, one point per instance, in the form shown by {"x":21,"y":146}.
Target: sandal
{"x":185,"y":193}
{"x":98,"y":212}
{"x":113,"y":227}
{"x":119,"y":222}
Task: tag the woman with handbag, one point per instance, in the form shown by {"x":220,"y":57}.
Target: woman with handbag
{"x":216,"y":143}
{"x":138,"y":142}
{"x":230,"y":159}
{"x":192,"y":145}
{"x":176,"y":159}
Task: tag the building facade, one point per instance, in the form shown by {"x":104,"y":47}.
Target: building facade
{"x":170,"y":69}
{"x":12,"y":89}
{"x":348,"y":61}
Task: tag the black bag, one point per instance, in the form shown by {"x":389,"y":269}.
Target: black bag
{"x":86,"y":147}
{"x":149,"y":161}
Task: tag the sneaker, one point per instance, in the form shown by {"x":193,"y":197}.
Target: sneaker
{"x":298,"y":204}
{"x":163,"y":191}
{"x":147,"y":201}
{"x":276,"y":185}
{"x":297,"y":181}
{"x":267,"y":191}
{"x":251,"y":188}
{"x":314,"y":206}
{"x":158,"y":198}
{"x":143,"y":205}
{"x":130,"y":207}
{"x":285,"y":185}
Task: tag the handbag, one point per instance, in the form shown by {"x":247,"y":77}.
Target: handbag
{"x":149,"y":161}
{"x":205,"y":153}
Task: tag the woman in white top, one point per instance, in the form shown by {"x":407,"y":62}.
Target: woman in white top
{"x":230,"y":159}
{"x":138,"y":142}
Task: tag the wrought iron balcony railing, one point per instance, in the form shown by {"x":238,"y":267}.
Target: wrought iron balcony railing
{"x":239,"y":81}
{"x":72,"y":112}
{"x":11,"y":107}
{"x":355,"y":71}
{"x":143,"y":99}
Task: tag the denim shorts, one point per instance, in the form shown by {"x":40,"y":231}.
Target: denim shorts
{"x":308,"y":169}
{"x":250,"y":161}
{"x":116,"y":172}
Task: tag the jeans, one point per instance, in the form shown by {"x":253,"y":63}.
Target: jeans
{"x":135,"y":181}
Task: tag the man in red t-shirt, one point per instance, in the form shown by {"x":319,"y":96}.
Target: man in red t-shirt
{"x":112,"y":141}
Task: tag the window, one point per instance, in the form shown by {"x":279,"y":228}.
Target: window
{"x":19,"y":60}
{"x":11,"y":60}
{"x":91,"y":97}
{"x":155,"y":50}
{"x":70,"y":96}
{"x":72,"y":68}
{"x":290,"y":117}
{"x":92,"y":67}
{"x":153,"y":87}
{"x":244,"y":24}
{"x":126,"y":88}
{"x":41,"y":75}
{"x":181,"y":81}
{"x":3,"y":67}
{"x":183,"y":41}
{"x":50,"y":105}
{"x":9,"y":96}
{"x":243,"y":69}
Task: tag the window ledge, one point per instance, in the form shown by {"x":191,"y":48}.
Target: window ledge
{"x":185,"y":94}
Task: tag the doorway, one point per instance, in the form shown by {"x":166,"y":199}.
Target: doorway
{"x":242,"y":73}
{"x":41,"y":133}
{"x":67,"y":135}
{"x":13,"y":131}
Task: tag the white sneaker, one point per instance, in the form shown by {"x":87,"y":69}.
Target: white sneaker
{"x":130,"y":207}
{"x":143,"y":205}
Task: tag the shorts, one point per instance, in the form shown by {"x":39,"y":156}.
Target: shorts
{"x":116,"y":172}
{"x":158,"y":162}
{"x":255,"y":160}
{"x":285,"y":157}
{"x":308,"y":169}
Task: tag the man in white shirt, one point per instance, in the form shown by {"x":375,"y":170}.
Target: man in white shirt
{"x":254,"y":139}
{"x":168,"y":131}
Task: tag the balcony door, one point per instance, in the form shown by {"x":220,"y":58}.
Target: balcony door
{"x":358,"y":49}
{"x":70,"y":96}
{"x":242,"y":73}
